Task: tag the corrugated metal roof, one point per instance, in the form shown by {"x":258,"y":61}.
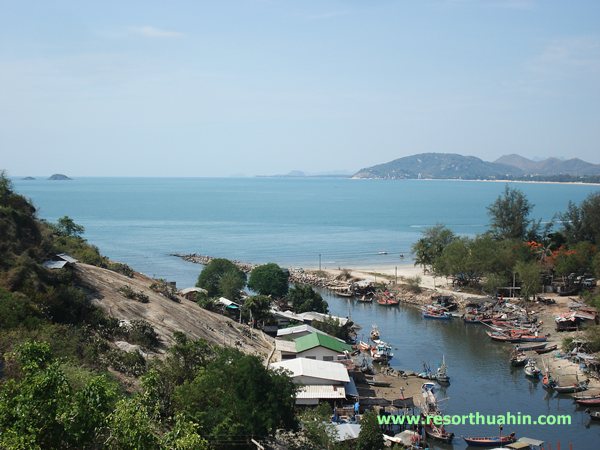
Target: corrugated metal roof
{"x":351,"y":389}
{"x":312,"y":315}
{"x":321,"y":391}
{"x":320,"y":340}
{"x":227,"y":302}
{"x":55,"y":264}
{"x":324,"y":370}
{"x":297,"y":329}
{"x":67,"y":258}
{"x":346,"y":431}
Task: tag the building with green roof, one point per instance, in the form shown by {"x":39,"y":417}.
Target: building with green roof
{"x":320,"y":346}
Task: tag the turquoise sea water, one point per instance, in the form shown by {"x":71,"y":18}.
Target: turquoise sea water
{"x":291,"y":221}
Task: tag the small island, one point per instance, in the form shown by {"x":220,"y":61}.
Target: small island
{"x":28,"y":178}
{"x":59,"y":177}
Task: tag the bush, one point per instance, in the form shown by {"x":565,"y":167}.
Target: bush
{"x":129,"y":363}
{"x":413,"y":284}
{"x":142,"y":333}
{"x":129,"y":293}
{"x":165,"y":289}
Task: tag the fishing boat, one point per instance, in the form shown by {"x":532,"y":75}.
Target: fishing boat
{"x":365,"y":299}
{"x":531,"y":370}
{"x":532,"y":338}
{"x":387,"y":301}
{"x":541,"y":351}
{"x":588,"y":402}
{"x":382,"y":352}
{"x":499,"y":336}
{"x":363,"y":346}
{"x":547,"y":381}
{"x":436,"y":313}
{"x":490,"y":441}
{"x":438,"y":433}
{"x":427,"y":373}
{"x":518,"y":358}
{"x":532,"y":347}
{"x":594,"y":415}
{"x":571,"y":388}
{"x":441,"y":375}
{"x":375,"y":332}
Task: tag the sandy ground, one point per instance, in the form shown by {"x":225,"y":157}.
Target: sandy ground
{"x":167,"y":316}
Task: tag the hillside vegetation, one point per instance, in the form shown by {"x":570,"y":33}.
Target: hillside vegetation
{"x":81,"y":346}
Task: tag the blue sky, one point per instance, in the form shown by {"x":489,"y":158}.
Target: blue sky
{"x":232,"y":87}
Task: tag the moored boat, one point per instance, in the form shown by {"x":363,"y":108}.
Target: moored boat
{"x":594,"y":415}
{"x":588,"y":402}
{"x":531,"y":370}
{"x":490,"y":441}
{"x":518,"y":358}
{"x":382,"y":352}
{"x":438,"y":433}
{"x":532,"y":347}
{"x":571,"y":388}
{"x":375,"y":332}
{"x":441,"y":375}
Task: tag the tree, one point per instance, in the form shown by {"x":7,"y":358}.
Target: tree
{"x":258,"y":307}
{"x":235,"y":398}
{"x":304,"y":298}
{"x":183,"y":436}
{"x":529,"y":275}
{"x":333,"y":327}
{"x":269,"y":279}
{"x":509,"y":215}
{"x":67,"y":227}
{"x":431,"y":245}
{"x":211,"y":279}
{"x":370,"y":436}
{"x":582,"y":223}
{"x":131,"y":427}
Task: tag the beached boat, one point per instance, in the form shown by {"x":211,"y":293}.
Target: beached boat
{"x":427,"y":373}
{"x":498,"y":336}
{"x":533,"y":347}
{"x":490,"y":441}
{"x":531,"y":370}
{"x":532,"y":338}
{"x":571,"y":388}
{"x":549,"y":349}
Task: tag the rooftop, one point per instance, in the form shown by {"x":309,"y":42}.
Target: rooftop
{"x":313,"y":368}
{"x":320,"y":340}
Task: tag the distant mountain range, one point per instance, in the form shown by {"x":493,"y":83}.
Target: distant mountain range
{"x":454,"y":166}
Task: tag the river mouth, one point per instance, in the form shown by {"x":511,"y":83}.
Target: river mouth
{"x":482,"y":379}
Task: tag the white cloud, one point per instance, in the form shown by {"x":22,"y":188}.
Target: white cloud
{"x":153,"y":32}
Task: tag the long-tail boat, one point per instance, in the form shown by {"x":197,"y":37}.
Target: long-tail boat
{"x":490,"y":441}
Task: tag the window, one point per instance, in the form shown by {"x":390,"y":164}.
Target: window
{"x":327,"y":358}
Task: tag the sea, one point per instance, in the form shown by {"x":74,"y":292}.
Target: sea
{"x":332,"y":222}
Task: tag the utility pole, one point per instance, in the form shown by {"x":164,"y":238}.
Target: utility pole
{"x":396,"y":273}
{"x":319,"y":262}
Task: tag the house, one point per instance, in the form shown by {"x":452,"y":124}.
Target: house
{"x":320,"y":346}
{"x":291,"y":333}
{"x":320,"y":380}
{"x":59,"y":261}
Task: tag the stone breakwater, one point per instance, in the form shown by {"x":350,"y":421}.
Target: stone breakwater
{"x":297,"y":275}
{"x":342,"y":283}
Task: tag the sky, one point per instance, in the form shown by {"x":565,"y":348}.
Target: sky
{"x":250,"y":87}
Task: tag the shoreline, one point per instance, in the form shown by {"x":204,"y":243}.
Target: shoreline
{"x":576,"y":183}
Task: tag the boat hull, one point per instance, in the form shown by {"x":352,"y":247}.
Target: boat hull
{"x":489,"y":442}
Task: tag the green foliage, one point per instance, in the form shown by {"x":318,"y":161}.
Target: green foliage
{"x":592,"y":337}
{"x":258,"y":307}
{"x":67,"y":227}
{"x":579,"y":259}
{"x":582,"y":223}
{"x":492,"y":282}
{"x":317,"y":431}
{"x":16,"y":311}
{"x":413,"y":284}
{"x":142,"y":333}
{"x":530,"y":278}
{"x":129,"y":363}
{"x":129,"y":293}
{"x":235,"y":398}
{"x":431,"y":245}
{"x":221,"y":277}
{"x":509,"y":215}
{"x":370,"y":436}
{"x":269,"y":279}
{"x":165,"y":289}
{"x":333,"y":327}
{"x":304,"y":298}
{"x":131,"y":427}
{"x":184,"y":436}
